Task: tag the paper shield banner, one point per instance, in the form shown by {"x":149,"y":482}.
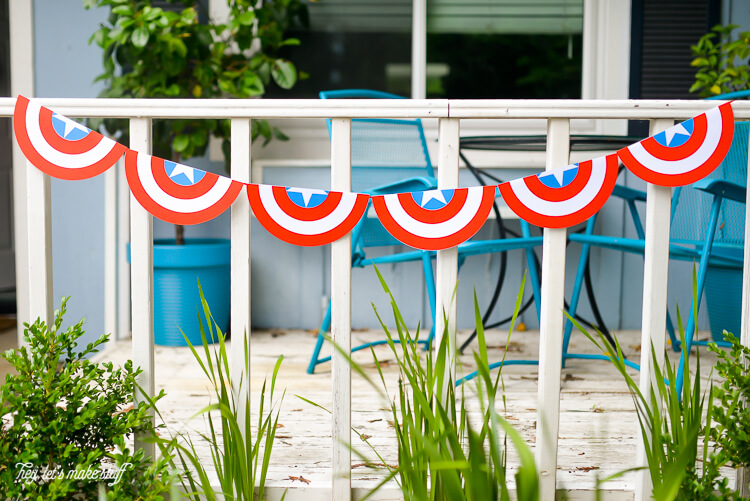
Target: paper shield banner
{"x":176,"y":193}
{"x":435,"y":219}
{"x":59,"y":146}
{"x":685,"y":153}
{"x":562,"y":197}
{"x":303,"y":216}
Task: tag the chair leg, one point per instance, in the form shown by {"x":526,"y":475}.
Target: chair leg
{"x":429,"y":278}
{"x":672,"y":335}
{"x":577,"y":286}
{"x":533,"y":272}
{"x":325,"y":327}
{"x":701,"y":281}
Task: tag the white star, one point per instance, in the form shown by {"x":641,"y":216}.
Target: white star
{"x":70,"y":125}
{"x":432,"y":194}
{"x":306,"y":193}
{"x":189,"y":172}
{"x":673,"y":131}
{"x":558,"y":174}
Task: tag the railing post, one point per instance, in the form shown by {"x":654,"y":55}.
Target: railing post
{"x":551,"y":325}
{"x":341,"y":318}
{"x":654,"y":320}
{"x":110,"y":252}
{"x":240,"y":269}
{"x":743,"y":476}
{"x":446,"y":275}
{"x":142,"y":279}
{"x":123,"y":265}
{"x":39,"y":227}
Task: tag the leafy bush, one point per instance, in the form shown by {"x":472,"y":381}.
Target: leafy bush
{"x":63,"y":413}
{"x":722,"y":62}
{"x":150,"y":52}
{"x":732,"y":412}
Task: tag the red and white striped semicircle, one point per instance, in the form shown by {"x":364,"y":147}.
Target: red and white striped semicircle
{"x":435,"y":219}
{"x":176,"y":193}
{"x":59,"y":146}
{"x":303,"y":216}
{"x":685,"y":153}
{"x":564,"y":197}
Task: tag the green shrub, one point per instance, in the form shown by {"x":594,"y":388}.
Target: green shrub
{"x":150,"y":52}
{"x":732,"y":412}
{"x":63,"y":413}
{"x":721,"y":61}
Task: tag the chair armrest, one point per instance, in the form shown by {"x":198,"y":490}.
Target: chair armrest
{"x":405,"y":185}
{"x":726,"y":189}
{"x":629,"y":193}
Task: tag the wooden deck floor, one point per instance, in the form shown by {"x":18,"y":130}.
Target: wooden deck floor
{"x":598,"y":425}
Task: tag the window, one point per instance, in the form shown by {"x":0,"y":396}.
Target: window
{"x":475,"y":48}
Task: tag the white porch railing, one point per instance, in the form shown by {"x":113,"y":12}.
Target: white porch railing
{"x":558,"y":115}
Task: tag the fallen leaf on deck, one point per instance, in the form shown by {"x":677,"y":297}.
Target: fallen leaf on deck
{"x":300,"y":478}
{"x":279,"y":425}
{"x":364,"y":437}
{"x":374,"y":420}
{"x":586,"y":468}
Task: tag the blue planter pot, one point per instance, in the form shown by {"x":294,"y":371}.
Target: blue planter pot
{"x":177,"y":304}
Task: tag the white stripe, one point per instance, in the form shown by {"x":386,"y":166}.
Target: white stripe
{"x":317,"y":227}
{"x":565,"y":207}
{"x":437,"y":230}
{"x":66,"y":160}
{"x":673,"y":167}
{"x":178,"y":204}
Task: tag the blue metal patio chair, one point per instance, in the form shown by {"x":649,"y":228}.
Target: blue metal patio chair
{"x":707,"y":226}
{"x":391,"y":156}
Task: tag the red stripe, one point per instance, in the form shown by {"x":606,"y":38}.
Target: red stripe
{"x":568,"y":220}
{"x":293,"y":238}
{"x":170,"y":216}
{"x":51,"y":168}
{"x":567,"y":192}
{"x":433,"y":216}
{"x":64,"y":145}
{"x":306,"y":213}
{"x":158,"y":169}
{"x":700,"y":128}
{"x":695,"y":174}
{"x":445,"y":242}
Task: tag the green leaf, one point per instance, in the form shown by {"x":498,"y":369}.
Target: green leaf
{"x":246,"y":18}
{"x":180,"y":142}
{"x":284,"y":73}
{"x":140,"y":37}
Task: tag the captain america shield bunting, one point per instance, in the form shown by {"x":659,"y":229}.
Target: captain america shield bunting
{"x":435,"y":219}
{"x":59,"y":146}
{"x":176,"y":193}
{"x":303,"y":216}
{"x":685,"y":153}
{"x":562,"y":197}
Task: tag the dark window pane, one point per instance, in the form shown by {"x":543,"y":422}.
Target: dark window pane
{"x":347,"y":60}
{"x":504,"y":66}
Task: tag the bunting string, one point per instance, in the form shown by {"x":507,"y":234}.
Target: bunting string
{"x":427,"y":220}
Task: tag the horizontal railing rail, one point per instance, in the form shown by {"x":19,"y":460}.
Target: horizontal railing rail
{"x":558,"y":113}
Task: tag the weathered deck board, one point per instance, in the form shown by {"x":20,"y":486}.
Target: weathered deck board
{"x":598,"y":424}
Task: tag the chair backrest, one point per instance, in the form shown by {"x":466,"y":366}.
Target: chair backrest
{"x":691,"y":207}
{"x":384,"y":151}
